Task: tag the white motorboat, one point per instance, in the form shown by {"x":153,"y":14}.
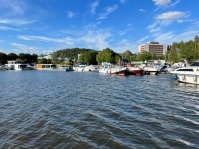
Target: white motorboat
{"x":79,"y":68}
{"x":105,"y":68}
{"x":150,"y":69}
{"x":188,"y":74}
{"x":108,"y":68}
{"x":94,"y":68}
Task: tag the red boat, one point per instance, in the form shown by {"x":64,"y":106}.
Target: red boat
{"x":134,"y":70}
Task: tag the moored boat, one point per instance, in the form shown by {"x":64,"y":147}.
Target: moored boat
{"x":79,"y":68}
{"x":149,"y":68}
{"x":46,"y":66}
{"x":134,"y":70}
{"x":118,"y":70}
{"x":108,"y":68}
{"x":13,"y":65}
{"x":188,"y":74}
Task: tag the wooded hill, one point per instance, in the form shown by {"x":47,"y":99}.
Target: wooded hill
{"x":70,"y":53}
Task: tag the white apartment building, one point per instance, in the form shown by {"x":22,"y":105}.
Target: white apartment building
{"x":155,"y":47}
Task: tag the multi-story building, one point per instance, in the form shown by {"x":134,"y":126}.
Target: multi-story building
{"x":155,"y":47}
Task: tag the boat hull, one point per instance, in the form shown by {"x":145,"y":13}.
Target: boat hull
{"x":136,"y":72}
{"x":187,"y":74}
{"x":187,"y":78}
{"x":120,"y":73}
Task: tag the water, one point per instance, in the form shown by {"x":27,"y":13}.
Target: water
{"x":40,"y":109}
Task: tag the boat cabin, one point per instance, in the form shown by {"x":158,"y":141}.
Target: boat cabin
{"x":46,"y":66}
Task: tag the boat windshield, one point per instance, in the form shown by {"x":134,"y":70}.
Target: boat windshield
{"x":196,"y":63}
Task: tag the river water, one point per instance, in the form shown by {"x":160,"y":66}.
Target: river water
{"x":82,"y":110}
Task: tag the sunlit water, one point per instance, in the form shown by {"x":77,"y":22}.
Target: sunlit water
{"x":40,"y":109}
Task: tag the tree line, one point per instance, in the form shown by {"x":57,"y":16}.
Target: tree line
{"x":188,"y":51}
{"x":21,"y":58}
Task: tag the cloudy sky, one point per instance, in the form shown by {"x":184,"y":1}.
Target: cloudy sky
{"x":44,"y":26}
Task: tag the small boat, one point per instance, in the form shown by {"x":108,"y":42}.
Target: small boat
{"x":105,"y":69}
{"x":108,"y":68}
{"x":189,"y":74}
{"x":2,"y":67}
{"x":149,"y":68}
{"x":94,"y":68}
{"x":118,"y":70}
{"x":79,"y":68}
{"x":61,"y":68}
{"x":134,"y":70}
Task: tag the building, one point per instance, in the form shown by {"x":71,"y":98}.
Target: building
{"x":49,"y":56}
{"x":154,"y":47}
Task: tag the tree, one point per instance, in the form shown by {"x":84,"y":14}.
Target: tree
{"x":45,"y":61}
{"x":25,"y":57}
{"x":126,"y":56}
{"x":88,"y":57}
{"x":174,"y":54}
{"x":3,"y":58}
{"x":144,"y":56}
{"x":33,"y":58}
{"x":12,"y":56}
{"x":54,"y":57}
{"x":108,"y":55}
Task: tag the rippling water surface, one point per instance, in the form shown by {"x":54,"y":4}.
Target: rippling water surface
{"x":40,"y":109}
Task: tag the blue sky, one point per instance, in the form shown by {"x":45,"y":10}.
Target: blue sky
{"x":45,"y":26}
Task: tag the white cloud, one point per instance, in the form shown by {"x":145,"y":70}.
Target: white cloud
{"x":123,"y":1}
{"x":66,"y":40}
{"x":157,"y":29}
{"x":18,"y":45}
{"x":70,"y":14}
{"x":94,"y":6}
{"x":123,"y":45}
{"x":16,"y":21}
{"x":142,"y":10}
{"x":165,"y":37}
{"x":129,"y":25}
{"x":108,"y":11}
{"x":165,"y":19}
{"x":9,"y":28}
{"x":170,"y":37}
{"x":129,"y":28}
{"x":161,"y":2}
{"x":143,"y":39}
{"x":95,"y":39}
{"x":175,"y":3}
{"x":13,"y":7}
{"x":180,"y":21}
{"x":171,"y":15}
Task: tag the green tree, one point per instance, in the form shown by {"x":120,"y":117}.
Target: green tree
{"x":88,"y":57}
{"x":45,"y":61}
{"x":3,"y":58}
{"x":54,"y":57}
{"x":33,"y":58}
{"x":126,"y":56}
{"x":25,"y":57}
{"x":144,"y":56}
{"x":108,"y":55}
{"x":12,"y":56}
{"x":174,"y":54}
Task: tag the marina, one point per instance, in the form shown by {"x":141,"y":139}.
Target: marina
{"x":99,"y":74}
